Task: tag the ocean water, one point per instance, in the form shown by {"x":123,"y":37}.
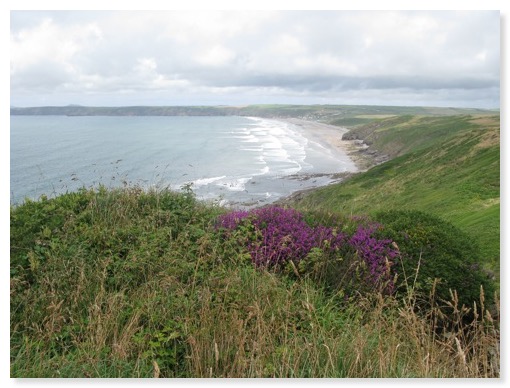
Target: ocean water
{"x":239,"y":161}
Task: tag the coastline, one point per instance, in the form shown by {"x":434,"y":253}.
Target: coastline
{"x":331,"y":136}
{"x":327,"y":157}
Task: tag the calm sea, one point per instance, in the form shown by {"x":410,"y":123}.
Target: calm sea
{"x":237,"y":160}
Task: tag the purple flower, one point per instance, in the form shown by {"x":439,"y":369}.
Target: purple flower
{"x":378,"y":254}
{"x":230,"y":221}
{"x":283,"y":234}
{"x":276,"y":235}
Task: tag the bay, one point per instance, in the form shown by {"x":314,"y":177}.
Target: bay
{"x":238,"y":161}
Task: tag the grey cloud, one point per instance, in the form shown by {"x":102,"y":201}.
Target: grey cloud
{"x":42,"y":77}
{"x":332,"y":82}
{"x":288,"y":55}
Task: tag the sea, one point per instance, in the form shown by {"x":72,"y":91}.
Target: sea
{"x":240,"y":162}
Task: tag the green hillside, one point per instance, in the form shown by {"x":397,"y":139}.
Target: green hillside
{"x":343,"y":115}
{"x":447,"y":166}
{"x":130,"y":283}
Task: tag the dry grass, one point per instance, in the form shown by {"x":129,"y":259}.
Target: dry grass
{"x":378,"y":336}
{"x":188,"y":304}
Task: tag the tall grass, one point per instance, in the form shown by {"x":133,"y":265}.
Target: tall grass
{"x":128,"y":283}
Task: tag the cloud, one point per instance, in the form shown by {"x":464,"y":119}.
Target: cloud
{"x":245,"y":57}
{"x":215,"y":56}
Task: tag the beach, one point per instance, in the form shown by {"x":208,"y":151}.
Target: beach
{"x":330,"y":136}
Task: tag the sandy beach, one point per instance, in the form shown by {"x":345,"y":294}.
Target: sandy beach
{"x":330,"y":136}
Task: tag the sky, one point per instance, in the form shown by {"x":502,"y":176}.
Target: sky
{"x":118,"y":58}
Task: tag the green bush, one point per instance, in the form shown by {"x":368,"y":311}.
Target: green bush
{"x":128,"y":283}
{"x":432,"y":248}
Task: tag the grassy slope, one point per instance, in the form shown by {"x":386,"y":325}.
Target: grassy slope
{"x":125,"y":283}
{"x":448,"y":166}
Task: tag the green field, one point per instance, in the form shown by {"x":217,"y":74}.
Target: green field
{"x":347,"y":115}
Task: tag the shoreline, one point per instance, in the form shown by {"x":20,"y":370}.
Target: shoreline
{"x":343,"y":158}
{"x":331,"y":136}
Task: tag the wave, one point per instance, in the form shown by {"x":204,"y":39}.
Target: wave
{"x":252,"y":149}
{"x":264,"y":171}
{"x":207,"y":181}
{"x":235,"y":184}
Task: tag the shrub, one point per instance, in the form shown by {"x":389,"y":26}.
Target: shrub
{"x":277,"y":236}
{"x":378,"y":255}
{"x":435,"y":249}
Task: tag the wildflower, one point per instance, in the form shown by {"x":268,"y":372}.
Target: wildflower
{"x":376,"y":253}
{"x":279,"y":235}
{"x":283,"y":234}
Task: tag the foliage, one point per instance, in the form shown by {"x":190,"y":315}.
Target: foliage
{"x":133,"y":283}
{"x":378,"y":254}
{"x":431,"y":249}
{"x":276,"y":236}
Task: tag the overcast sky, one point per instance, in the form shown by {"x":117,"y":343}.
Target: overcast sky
{"x":100,"y":58}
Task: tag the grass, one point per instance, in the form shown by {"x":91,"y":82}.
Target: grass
{"x":397,"y":135}
{"x":129,"y":283}
{"x":447,"y":166}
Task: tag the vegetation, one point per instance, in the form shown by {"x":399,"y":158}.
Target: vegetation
{"x":128,"y":283}
{"x":436,"y":254}
{"x":345,"y":115}
{"x":447,"y":166}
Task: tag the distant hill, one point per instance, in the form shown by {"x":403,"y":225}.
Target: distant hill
{"x":342,"y":115}
{"x":76,"y":110}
